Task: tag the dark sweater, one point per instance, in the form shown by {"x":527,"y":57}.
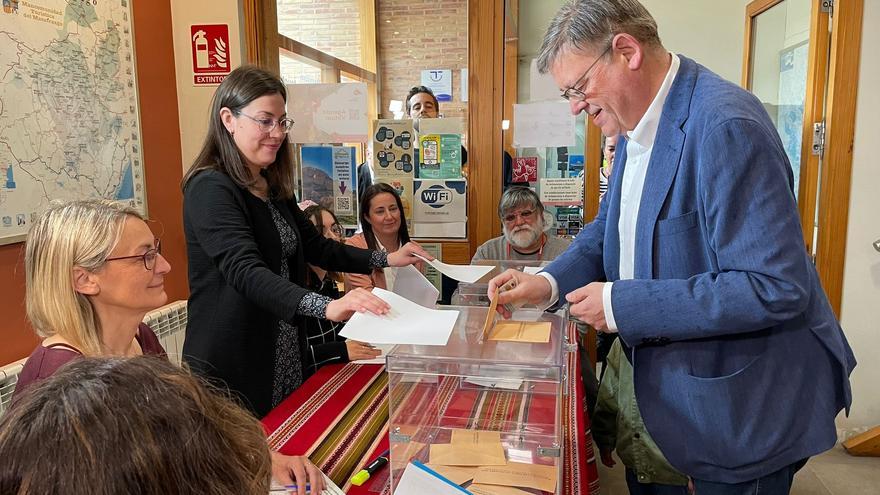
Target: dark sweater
{"x":236,"y":293}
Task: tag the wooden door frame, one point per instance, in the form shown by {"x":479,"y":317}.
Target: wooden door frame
{"x":842,"y":62}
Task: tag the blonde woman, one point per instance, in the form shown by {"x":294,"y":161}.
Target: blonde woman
{"x":93,"y":270}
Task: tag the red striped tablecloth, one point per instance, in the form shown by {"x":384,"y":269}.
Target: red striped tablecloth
{"x":339,"y":418}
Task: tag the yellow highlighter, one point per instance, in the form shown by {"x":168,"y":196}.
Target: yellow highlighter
{"x":364,"y":474}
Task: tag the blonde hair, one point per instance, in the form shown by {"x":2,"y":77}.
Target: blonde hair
{"x":70,"y":234}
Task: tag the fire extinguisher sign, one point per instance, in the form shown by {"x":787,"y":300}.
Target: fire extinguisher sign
{"x":210,"y":53}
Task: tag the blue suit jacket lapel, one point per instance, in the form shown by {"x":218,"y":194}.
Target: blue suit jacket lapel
{"x":665,"y":157}
{"x":611,"y":253}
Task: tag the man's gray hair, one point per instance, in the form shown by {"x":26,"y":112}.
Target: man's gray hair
{"x":517,"y":197}
{"x":585,"y":24}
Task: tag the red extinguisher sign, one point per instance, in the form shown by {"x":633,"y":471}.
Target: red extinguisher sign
{"x":210,"y":53}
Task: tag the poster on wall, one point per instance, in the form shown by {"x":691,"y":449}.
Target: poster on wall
{"x":210,"y":53}
{"x":561,"y":192}
{"x":329,"y":178}
{"x":525,"y":169}
{"x":440,"y":82}
{"x":393,"y":143}
{"x":328,"y":113}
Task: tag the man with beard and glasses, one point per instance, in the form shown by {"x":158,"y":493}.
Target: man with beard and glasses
{"x":522,"y":216}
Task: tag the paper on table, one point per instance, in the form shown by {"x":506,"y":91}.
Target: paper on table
{"x":455,"y":474}
{"x":501,"y":383}
{"x":419,"y":479}
{"x":411,"y":284}
{"x":330,"y":488}
{"x":406,"y":323}
{"x":521,"y":331}
{"x":475,"y":436}
{"x":468,"y":454}
{"x":463,"y":273}
{"x":537,"y":476}
{"x":380,"y":359}
{"x":532,"y":270}
{"x":495,"y":490}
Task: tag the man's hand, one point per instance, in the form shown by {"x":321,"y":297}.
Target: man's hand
{"x":586,"y":306}
{"x":360,"y":350}
{"x":298,"y":470}
{"x":358,"y":300}
{"x":406,"y":255}
{"x":532,"y":289}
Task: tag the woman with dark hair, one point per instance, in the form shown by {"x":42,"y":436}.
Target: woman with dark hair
{"x":137,"y":425}
{"x":384,"y":229}
{"x":248,"y":244}
{"x":325,"y":346}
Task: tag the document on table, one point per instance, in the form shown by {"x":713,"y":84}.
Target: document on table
{"x":419,"y":479}
{"x":380,"y":359}
{"x":532,"y":270}
{"x":463,"y":273}
{"x":537,"y":476}
{"x":406,"y":323}
{"x":521,"y":331}
{"x":411,"y":284}
{"x":330,"y":488}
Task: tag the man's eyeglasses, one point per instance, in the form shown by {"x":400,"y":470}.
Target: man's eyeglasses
{"x":149,"y":258}
{"x":525,"y":215}
{"x":574,"y":94}
{"x":268,"y":125}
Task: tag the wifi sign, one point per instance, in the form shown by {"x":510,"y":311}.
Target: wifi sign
{"x":436,"y":196}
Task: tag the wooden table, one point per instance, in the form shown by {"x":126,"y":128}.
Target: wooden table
{"x":339,"y":418}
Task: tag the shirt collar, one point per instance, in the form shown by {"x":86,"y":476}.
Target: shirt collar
{"x":646,"y":129}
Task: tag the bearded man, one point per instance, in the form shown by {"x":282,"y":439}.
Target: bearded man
{"x":522,"y":217}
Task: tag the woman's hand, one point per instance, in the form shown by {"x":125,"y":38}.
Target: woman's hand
{"x":355,"y":301}
{"x":298,"y":470}
{"x":406,"y":255}
{"x":360,"y":350}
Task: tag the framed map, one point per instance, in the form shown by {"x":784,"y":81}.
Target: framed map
{"x":69,"y":126}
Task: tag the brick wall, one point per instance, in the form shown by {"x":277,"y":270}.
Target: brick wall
{"x":332,"y":26}
{"x":421,"y":34}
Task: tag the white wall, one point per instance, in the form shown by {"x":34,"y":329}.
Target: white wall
{"x":860,"y":311}
{"x":194,"y":102}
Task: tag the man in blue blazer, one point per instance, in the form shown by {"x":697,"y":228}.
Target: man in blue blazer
{"x":696,"y":259}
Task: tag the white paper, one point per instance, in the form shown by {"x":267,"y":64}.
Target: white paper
{"x":328,"y":113}
{"x":463,"y":273}
{"x":411,"y":284}
{"x":419,"y":479}
{"x":380,"y":359}
{"x":406,"y":323}
{"x":532,"y":270}
{"x":562,"y":191}
{"x":448,"y":125}
{"x":542,"y":87}
{"x":506,"y":384}
{"x":543,"y":125}
{"x":331,"y":488}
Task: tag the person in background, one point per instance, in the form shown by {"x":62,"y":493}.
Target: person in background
{"x":93,"y":269}
{"x":607,"y":163}
{"x":384,"y":229}
{"x":422,"y":104}
{"x":739,"y":363}
{"x":139,"y":426}
{"x":523,"y":238}
{"x":248,"y":244}
{"x":325,"y":346}
{"x":618,"y":425}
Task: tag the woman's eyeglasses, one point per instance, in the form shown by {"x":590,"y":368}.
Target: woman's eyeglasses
{"x":268,"y":125}
{"x":149,"y":258}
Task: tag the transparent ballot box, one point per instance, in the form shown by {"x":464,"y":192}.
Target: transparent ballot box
{"x":481,"y":407}
{"x":474,"y":294}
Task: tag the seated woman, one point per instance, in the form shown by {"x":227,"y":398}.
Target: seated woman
{"x":384,"y":229}
{"x":325,"y":346}
{"x":129,"y":425}
{"x":93,"y":270}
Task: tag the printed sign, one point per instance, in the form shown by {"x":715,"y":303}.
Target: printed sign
{"x":328,"y":113}
{"x":210,"y":53}
{"x":393,"y":143}
{"x":561,"y":192}
{"x":525,"y":169}
{"x":440,"y":82}
{"x":329,"y":178}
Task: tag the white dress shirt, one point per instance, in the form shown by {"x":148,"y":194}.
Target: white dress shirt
{"x":639,"y":144}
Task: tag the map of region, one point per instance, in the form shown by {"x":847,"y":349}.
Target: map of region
{"x":68,"y":108}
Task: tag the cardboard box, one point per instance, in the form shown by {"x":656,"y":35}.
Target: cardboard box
{"x":440,"y":208}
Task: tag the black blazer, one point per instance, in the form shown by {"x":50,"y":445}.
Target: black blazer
{"x":237,"y":294}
